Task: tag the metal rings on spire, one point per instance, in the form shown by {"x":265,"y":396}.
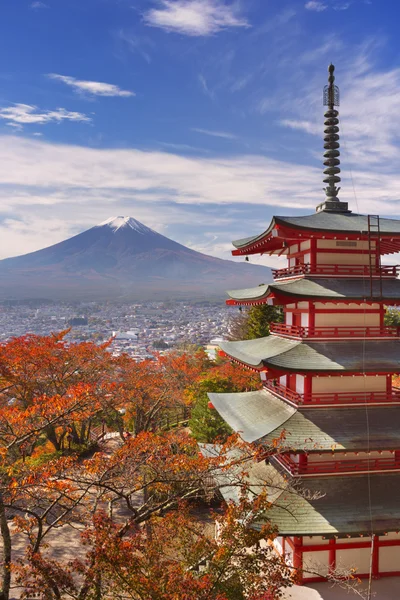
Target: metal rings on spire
{"x":331,"y":138}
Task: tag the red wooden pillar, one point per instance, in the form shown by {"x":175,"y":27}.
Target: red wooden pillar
{"x":307,"y":388}
{"x":298,"y":557}
{"x":313,"y":254}
{"x":303,"y":460}
{"x":382,"y":317}
{"x":311,"y":317}
{"x":388,"y":384}
{"x":332,"y":555}
{"x":375,"y":557}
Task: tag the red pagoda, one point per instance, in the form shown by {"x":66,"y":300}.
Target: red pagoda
{"x":327,"y":380}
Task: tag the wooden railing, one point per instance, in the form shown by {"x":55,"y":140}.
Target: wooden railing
{"x":338,"y":466}
{"x":333,"y":332}
{"x":338,"y":270}
{"x":327,"y":398}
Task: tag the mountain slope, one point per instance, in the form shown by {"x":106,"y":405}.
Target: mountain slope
{"x":122,"y":259}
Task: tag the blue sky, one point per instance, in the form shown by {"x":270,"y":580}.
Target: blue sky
{"x":201,"y":118}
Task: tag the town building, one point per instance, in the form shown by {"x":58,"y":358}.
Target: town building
{"x":327,"y":373}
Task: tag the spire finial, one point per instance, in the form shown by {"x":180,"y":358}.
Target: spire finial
{"x":331,"y":145}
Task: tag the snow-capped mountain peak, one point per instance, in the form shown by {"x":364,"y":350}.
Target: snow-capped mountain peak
{"x":116,"y":223}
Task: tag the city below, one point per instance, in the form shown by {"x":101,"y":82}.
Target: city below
{"x":137,"y":329}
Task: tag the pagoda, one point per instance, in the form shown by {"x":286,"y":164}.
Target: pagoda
{"x":327,"y":374}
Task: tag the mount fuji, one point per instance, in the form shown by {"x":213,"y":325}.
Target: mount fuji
{"x":122,"y":259}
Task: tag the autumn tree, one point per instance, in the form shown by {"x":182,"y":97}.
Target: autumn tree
{"x":129,"y":513}
{"x":68,"y":384}
{"x":151,"y":388}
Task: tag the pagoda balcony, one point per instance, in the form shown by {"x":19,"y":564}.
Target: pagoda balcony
{"x":337,"y":271}
{"x":332,"y":398}
{"x":298,"y":332}
{"x":331,"y":467}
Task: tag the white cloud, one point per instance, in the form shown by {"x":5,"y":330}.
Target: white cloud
{"x":315,"y":5}
{"x":219,"y":134}
{"x":26,"y":114}
{"x":306,"y":126}
{"x":195,"y":17}
{"x":95,"y":88}
{"x":75,"y":187}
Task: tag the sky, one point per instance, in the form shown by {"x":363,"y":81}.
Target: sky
{"x":200,"y":118}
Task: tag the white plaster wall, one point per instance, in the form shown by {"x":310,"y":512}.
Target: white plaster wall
{"x":347,"y":307}
{"x":358,"y":245}
{"x":307,"y":258}
{"x":354,"y":557}
{"x":304,"y":319}
{"x":351,"y":456}
{"x":300,"y":384}
{"x":302,"y":305}
{"x":317,"y":563}
{"x":389,"y":558}
{"x":311,"y":540}
{"x":305,"y":245}
{"x":293,"y":248}
{"x":351,"y":540}
{"x":289,"y":555}
{"x":392,"y":535}
{"x":349,"y":384}
{"x":283,"y":380}
{"x":347,"y":319}
{"x":342,"y":258}
{"x":289,"y":318}
{"x":278,"y":544}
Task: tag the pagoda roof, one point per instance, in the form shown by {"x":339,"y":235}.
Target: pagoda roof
{"x":327,"y":289}
{"x":260,"y":416}
{"x":283,"y":354}
{"x":341,"y":223}
{"x":342,"y":505}
{"x":324,"y":506}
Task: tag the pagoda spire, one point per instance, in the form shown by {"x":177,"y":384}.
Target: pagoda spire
{"x":331,"y":139}
{"x":331,"y":145}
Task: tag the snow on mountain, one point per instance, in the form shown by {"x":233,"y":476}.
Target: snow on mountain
{"x":116,"y":223}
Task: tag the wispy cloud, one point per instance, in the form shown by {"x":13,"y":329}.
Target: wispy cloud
{"x":183,"y":147}
{"x":94,"y":88}
{"x":218,"y":134}
{"x":368,"y":136}
{"x":38,"y":5}
{"x":205,"y":87}
{"x":15,"y":126}
{"x":195,"y":17}
{"x":26,"y":114}
{"x":135,"y":43}
{"x":316,"y":6}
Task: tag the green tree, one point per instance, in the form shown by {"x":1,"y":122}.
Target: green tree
{"x":205,"y":423}
{"x":255,"y":322}
{"x":392,"y":317}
